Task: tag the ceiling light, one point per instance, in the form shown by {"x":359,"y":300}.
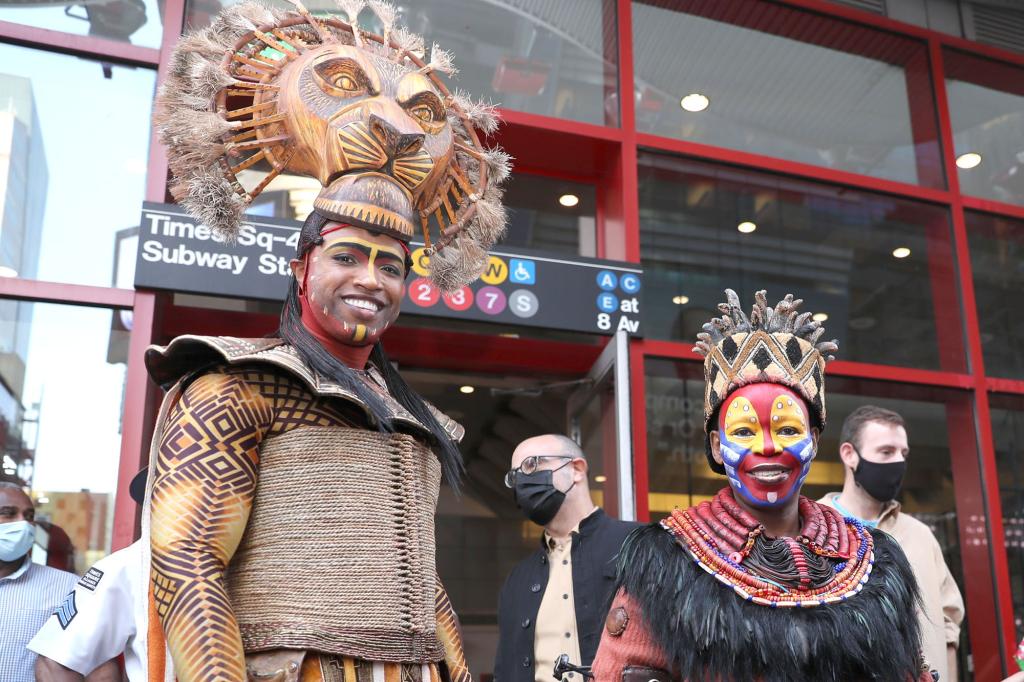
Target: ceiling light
{"x":819,"y":317}
{"x":466,"y":389}
{"x":900,"y":252}
{"x":600,"y":478}
{"x":746,"y":227}
{"x":568,"y":200}
{"x":695,"y":102}
{"x":7,"y":272}
{"x":680,"y":300}
{"x":968,"y":160}
{"x":43,"y":500}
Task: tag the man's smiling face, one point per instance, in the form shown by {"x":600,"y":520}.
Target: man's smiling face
{"x":354,"y":283}
{"x":766,"y":443}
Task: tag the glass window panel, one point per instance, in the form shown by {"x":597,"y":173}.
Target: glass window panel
{"x":679,"y":474}
{"x":71,"y":177}
{"x":62,"y":373}
{"x":1007,"y":413}
{"x":834,"y":247}
{"x":997,"y":255}
{"x":986,"y":109}
{"x":139,"y":22}
{"x":550,"y":57}
{"x":788,"y":84}
{"x":537,"y":216}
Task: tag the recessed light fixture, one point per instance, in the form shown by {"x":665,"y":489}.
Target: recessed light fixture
{"x":819,"y":317}
{"x":968,"y":160}
{"x":600,"y":478}
{"x":900,"y":252}
{"x":466,"y":389}
{"x":746,"y":227}
{"x":680,"y":300}
{"x":695,"y":102}
{"x":7,"y":272}
{"x":568,"y":200}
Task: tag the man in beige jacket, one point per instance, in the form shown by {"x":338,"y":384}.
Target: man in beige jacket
{"x":873,"y":448}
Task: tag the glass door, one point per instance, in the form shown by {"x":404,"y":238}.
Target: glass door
{"x":598,"y":417}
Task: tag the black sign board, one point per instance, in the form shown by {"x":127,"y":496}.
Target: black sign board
{"x":518,"y":287}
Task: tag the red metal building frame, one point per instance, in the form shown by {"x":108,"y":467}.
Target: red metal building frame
{"x":607,"y":157}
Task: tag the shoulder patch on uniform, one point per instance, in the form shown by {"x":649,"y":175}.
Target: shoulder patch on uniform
{"x":67,"y":611}
{"x":91,"y":579}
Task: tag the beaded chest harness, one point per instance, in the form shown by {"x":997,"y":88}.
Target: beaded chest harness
{"x":720,"y":535}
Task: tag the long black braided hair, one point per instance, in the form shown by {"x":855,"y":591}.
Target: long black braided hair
{"x":321,"y":361}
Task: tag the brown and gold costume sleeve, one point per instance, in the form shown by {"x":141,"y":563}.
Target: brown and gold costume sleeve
{"x":450,"y":634}
{"x":203,"y":488}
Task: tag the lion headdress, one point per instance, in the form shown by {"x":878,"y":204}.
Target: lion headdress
{"x":363,"y":113}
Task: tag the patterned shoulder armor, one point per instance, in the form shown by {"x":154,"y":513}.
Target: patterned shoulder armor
{"x":191,"y":353}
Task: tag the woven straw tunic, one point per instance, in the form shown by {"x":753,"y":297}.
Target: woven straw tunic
{"x":337,"y":556}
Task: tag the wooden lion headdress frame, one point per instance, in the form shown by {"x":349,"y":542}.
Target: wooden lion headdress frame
{"x":365,"y":114}
{"x":776,"y":345}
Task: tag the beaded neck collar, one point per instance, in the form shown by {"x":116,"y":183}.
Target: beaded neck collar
{"x":721,"y":537}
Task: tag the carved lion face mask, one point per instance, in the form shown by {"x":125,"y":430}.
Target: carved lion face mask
{"x":394,"y":151}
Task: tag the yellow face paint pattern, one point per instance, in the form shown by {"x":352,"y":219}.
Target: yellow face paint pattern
{"x":787,"y":412}
{"x":372,"y":249}
{"x":765,"y":424}
{"x":742,"y":415}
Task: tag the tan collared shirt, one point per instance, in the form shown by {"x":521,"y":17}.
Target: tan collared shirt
{"x":556,"y":632}
{"x":943,"y":606}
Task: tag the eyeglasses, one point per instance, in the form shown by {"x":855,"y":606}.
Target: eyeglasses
{"x":529,"y":466}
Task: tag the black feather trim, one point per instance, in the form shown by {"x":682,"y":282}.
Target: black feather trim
{"x":709,"y":633}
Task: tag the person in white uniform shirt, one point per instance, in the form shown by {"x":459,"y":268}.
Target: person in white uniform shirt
{"x":110,"y":600}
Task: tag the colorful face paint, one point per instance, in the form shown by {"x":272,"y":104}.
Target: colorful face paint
{"x":355,"y":282}
{"x":767,"y":444}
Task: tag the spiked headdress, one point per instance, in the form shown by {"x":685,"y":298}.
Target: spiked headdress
{"x":775,"y":345}
{"x":365,"y":114}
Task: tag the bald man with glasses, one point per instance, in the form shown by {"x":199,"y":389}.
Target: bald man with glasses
{"x":555,"y":601}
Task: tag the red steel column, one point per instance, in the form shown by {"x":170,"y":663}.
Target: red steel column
{"x":992,"y":638}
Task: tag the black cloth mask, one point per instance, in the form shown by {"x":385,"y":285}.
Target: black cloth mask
{"x":537,"y":495}
{"x":881,"y":481}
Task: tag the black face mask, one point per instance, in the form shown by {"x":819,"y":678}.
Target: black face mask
{"x":881,"y":481}
{"x":537,"y":495}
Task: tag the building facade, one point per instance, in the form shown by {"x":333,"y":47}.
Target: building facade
{"x":867,"y":155}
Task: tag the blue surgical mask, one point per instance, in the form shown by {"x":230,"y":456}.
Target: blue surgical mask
{"x":16,"y":539}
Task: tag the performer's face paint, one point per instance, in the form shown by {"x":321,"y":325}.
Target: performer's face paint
{"x":354,"y":283}
{"x":766,"y":443}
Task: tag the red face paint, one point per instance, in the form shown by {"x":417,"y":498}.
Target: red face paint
{"x":767,"y":444}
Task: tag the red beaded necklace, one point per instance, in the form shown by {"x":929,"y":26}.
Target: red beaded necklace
{"x":719,"y":535}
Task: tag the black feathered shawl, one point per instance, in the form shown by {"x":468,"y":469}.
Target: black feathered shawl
{"x":709,"y":633}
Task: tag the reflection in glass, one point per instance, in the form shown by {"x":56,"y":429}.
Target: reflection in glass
{"x":539,"y":219}
{"x":138,"y":22}
{"x":704,"y":228}
{"x":62,"y":372}
{"x":680,"y":476}
{"x":1007,"y":412}
{"x":997,"y":253}
{"x":986,"y":110}
{"x":767,"y":79}
{"x":549,"y":57}
{"x":71,"y":177}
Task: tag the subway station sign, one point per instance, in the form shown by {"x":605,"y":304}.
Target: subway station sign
{"x":518,"y":287}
